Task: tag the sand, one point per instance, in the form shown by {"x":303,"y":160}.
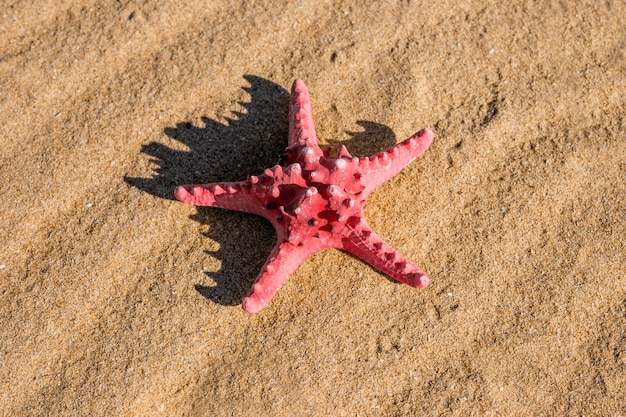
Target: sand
{"x":117,"y":299}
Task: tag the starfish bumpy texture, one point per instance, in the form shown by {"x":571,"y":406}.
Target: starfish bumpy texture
{"x":315,"y":202}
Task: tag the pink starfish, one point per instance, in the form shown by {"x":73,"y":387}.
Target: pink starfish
{"x":315,"y":202}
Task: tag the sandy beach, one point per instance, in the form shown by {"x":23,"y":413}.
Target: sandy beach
{"x":118,"y":300}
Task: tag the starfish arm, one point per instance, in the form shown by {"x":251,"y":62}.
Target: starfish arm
{"x":301,"y":127}
{"x":228,"y":195}
{"x":363,"y":242}
{"x":283,"y":260}
{"x":381,"y":167}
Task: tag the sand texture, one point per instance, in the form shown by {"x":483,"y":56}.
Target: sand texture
{"x":117,"y":300}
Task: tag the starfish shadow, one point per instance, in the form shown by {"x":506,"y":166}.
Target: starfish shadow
{"x":374,"y":138}
{"x":231,"y":151}
{"x":220,"y":151}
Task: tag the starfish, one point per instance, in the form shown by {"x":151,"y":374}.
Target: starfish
{"x":315,"y":202}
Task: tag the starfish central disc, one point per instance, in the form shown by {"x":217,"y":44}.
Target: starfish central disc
{"x":315,"y":202}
